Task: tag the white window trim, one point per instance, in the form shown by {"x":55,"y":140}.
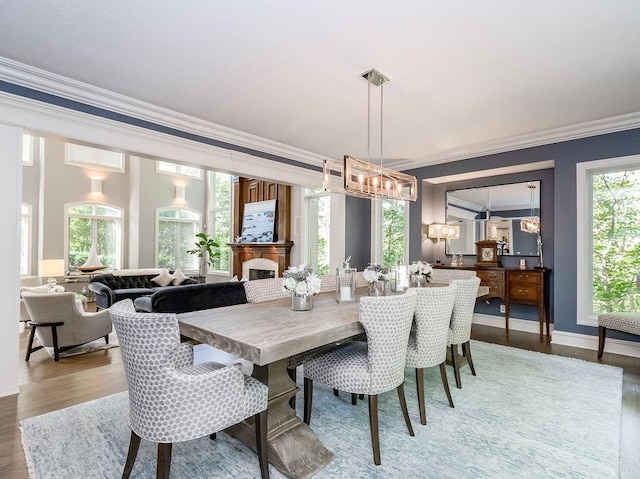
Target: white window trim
{"x":584,"y":231}
{"x":177,"y":220}
{"x":160,"y":171}
{"x":88,"y":164}
{"x":107,"y":205}
{"x":210,"y":226}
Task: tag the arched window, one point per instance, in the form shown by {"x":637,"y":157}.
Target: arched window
{"x":176,"y":234}
{"x":94,"y":224}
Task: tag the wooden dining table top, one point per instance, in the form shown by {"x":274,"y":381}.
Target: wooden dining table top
{"x":267,"y":332}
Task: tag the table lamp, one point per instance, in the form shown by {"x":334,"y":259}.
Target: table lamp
{"x":50,"y":268}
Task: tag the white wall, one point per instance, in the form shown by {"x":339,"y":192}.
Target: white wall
{"x":10,"y":198}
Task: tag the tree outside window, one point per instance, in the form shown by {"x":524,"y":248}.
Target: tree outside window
{"x":220,"y":217}
{"x":393,"y":231}
{"x":318,"y":205}
{"x":616,"y":240}
{"x":98,"y":224}
{"x":177,"y":229}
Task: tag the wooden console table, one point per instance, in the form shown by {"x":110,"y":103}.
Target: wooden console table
{"x":515,"y":286}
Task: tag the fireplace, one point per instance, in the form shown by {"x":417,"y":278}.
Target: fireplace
{"x":261,"y":256}
{"x":259,"y":268}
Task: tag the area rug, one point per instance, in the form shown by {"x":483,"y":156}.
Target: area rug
{"x":96,"y":345}
{"x":525,"y":415}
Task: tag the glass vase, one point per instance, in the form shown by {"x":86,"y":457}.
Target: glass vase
{"x":301,"y":302}
{"x":378,"y":288}
{"x":419,"y":280}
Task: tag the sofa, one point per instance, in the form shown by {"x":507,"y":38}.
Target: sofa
{"x":192,"y":297}
{"x":112,"y":287}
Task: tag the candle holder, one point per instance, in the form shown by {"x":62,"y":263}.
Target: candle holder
{"x":345,"y":284}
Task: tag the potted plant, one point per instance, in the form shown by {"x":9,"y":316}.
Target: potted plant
{"x":207,"y":250}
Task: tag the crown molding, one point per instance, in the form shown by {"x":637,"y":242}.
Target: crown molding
{"x":51,"y":83}
{"x":529,"y":140}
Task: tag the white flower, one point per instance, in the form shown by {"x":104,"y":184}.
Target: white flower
{"x":290,"y":284}
{"x":370,"y":275}
{"x":301,"y":280}
{"x":301,"y":288}
{"x":420,"y":268}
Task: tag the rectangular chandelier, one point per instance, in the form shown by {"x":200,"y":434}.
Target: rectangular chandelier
{"x":366,"y":180}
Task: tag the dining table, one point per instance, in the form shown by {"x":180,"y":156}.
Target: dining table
{"x":266,"y":334}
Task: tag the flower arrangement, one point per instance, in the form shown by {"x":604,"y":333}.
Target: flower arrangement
{"x":301,"y":280}
{"x":418,"y":267}
{"x":375,"y":272}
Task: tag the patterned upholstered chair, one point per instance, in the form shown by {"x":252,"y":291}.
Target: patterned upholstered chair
{"x":373,"y":367}
{"x":428,"y":341}
{"x":173,"y":400}
{"x":445,"y":275}
{"x":259,"y":290}
{"x":460,"y":328}
{"x":59,"y":322}
{"x":624,"y":321}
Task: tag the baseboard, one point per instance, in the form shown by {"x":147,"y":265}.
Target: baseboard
{"x":585,"y":341}
{"x":515,"y":324}
{"x":9,"y":391}
{"x":563,"y":338}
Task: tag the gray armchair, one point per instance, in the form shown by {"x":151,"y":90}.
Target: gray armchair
{"x":59,"y":322}
{"x":195,"y":399}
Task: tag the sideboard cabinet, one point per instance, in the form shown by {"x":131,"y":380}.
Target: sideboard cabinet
{"x":515,"y":286}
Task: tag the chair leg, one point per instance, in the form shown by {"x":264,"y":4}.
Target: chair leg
{"x":455,"y":362}
{"x":106,"y":338}
{"x":164,"y":460}
{"x":56,"y":351}
{"x":354,"y":399}
{"x":420,"y":388}
{"x":405,"y":411}
{"x":292,"y":374}
{"x":213,"y":436}
{"x":466,"y":352}
{"x":602,"y":334}
{"x":308,"y":399}
{"x":373,"y":426}
{"x":134,"y":444}
{"x":260,"y":420}
{"x":30,"y":345}
{"x":336,"y":392}
{"x":445,"y":382}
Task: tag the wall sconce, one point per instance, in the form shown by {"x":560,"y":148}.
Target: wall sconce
{"x":96,"y":185}
{"x":439,"y":231}
{"x":180,"y":192}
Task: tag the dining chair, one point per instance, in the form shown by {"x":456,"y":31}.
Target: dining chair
{"x":373,"y":367}
{"x":428,"y":342}
{"x":259,"y":290}
{"x":60,"y":322}
{"x":171,"y":399}
{"x":460,"y":328}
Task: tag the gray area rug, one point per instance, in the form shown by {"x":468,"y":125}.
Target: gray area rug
{"x":96,"y":345}
{"x":526,"y":415}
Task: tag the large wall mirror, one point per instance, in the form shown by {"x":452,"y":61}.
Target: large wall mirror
{"x":510,"y":214}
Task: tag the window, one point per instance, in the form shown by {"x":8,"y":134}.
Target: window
{"x":27,"y":150}
{"x":318,"y":209}
{"x":96,"y":224}
{"x":220,"y":201}
{"x":25,"y":240}
{"x":96,"y":158}
{"x":177,"y":169}
{"x":177,"y":229}
{"x":609,"y":232}
{"x":394,"y":226}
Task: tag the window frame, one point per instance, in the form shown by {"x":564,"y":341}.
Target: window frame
{"x":210,"y":227}
{"x":377,"y":240}
{"x":178,"y":172}
{"x":119,"y":254}
{"x":68,"y":160}
{"x":198,"y":223}
{"x":584,"y":230}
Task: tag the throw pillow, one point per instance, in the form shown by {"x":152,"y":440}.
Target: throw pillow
{"x":179,"y":276}
{"x":234,"y":279}
{"x":164,"y":278}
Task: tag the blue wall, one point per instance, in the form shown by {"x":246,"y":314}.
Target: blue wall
{"x":560,"y":242}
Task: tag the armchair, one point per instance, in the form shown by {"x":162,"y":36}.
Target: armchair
{"x":195,"y":400}
{"x":58,"y":322}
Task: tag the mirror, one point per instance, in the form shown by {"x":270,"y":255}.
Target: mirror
{"x":510,"y":214}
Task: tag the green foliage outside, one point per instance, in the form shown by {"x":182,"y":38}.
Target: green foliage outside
{"x":393,"y":225}
{"x":81,"y":234}
{"x":616,"y":241}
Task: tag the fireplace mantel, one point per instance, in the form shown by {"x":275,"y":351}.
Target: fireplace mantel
{"x":279,"y":252}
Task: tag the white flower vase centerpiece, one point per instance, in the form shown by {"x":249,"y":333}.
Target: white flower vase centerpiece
{"x":420,"y":274}
{"x":378,"y":278}
{"x":302,"y":283}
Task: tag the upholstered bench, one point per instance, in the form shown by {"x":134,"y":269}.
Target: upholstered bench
{"x":624,"y":321}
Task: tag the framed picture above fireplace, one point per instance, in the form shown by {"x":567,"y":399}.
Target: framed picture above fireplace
{"x":258,"y":222}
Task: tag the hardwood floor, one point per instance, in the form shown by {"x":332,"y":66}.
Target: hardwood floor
{"x":47,"y":386}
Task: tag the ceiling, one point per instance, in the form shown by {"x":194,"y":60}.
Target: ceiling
{"x":467,"y":77}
